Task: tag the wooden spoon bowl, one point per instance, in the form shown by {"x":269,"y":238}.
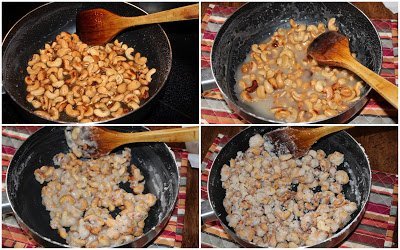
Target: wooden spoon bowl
{"x":99,"y":26}
{"x":298,"y":141}
{"x":332,"y":48}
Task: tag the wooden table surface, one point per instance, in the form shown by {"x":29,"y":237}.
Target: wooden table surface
{"x":372,"y":10}
{"x":191,"y":220}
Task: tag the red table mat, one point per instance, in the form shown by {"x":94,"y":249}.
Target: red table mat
{"x":215,"y":110}
{"x":377,"y":228}
{"x":13,"y":236}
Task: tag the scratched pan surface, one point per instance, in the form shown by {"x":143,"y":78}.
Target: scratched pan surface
{"x":355,"y":160}
{"x":154,"y":160}
{"x":43,"y":24}
{"x":255,"y":22}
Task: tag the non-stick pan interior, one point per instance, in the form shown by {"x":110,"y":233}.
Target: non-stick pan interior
{"x":255,"y":22}
{"x":153,"y":159}
{"x":355,"y":163}
{"x":45,"y":23}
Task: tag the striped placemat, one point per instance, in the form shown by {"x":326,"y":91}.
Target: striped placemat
{"x":377,"y":228}
{"x":377,"y":111}
{"x":13,"y":236}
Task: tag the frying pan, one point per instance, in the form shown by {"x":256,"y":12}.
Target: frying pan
{"x":155,"y":161}
{"x":255,"y":22}
{"x":43,"y":24}
{"x":355,"y":163}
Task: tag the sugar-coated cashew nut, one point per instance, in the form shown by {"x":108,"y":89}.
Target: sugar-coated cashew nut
{"x":67,"y":198}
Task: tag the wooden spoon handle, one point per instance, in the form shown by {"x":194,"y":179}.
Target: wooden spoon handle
{"x":386,"y":89}
{"x":178,"y":14}
{"x":164,"y":135}
{"x":326,"y":130}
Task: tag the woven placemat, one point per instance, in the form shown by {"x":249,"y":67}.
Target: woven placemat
{"x":214,"y":109}
{"x":376,"y":229}
{"x":13,"y":236}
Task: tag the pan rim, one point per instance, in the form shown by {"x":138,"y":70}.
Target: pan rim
{"x":238,"y":108}
{"x":7,"y":39}
{"x":336,"y":235}
{"x":153,"y":229}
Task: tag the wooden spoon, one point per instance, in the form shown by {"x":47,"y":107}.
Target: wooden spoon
{"x":107,"y":140}
{"x":99,"y":26}
{"x":298,"y":141}
{"x":332,"y":48}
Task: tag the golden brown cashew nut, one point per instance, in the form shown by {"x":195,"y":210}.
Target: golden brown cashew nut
{"x":37,"y":92}
{"x":71,"y":112}
{"x":29,"y":98}
{"x":128,"y":53}
{"x":105,"y":73}
{"x":63,"y":51}
{"x":118,"y":113}
{"x":28,"y":80}
{"x":32,"y":71}
{"x":43,"y":114}
{"x":101,"y":113}
{"x":140,"y":60}
{"x":35,"y":59}
{"x":115,"y":107}
{"x":36,"y":104}
{"x":149,"y":74}
{"x":56,"y":63}
{"x":64,"y":90}
{"x":33,"y":87}
{"x":133,"y":105}
{"x":54,"y":113}
{"x":58,"y":84}
{"x":331,"y":25}
{"x":52,"y":95}
{"x":118,"y":59}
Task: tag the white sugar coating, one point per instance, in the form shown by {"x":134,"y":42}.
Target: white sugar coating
{"x":256,"y":141}
{"x":80,"y":142}
{"x":303,"y":198}
{"x":354,"y":185}
{"x":82,"y":194}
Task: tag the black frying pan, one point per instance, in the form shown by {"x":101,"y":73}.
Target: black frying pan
{"x":255,"y":22}
{"x":342,"y":142}
{"x":43,"y":24}
{"x":155,"y":161}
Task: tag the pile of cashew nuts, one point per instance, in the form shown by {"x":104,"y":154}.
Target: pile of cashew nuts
{"x":81,"y":194}
{"x":87,"y":83}
{"x":279,"y":201}
{"x":293,"y":86}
